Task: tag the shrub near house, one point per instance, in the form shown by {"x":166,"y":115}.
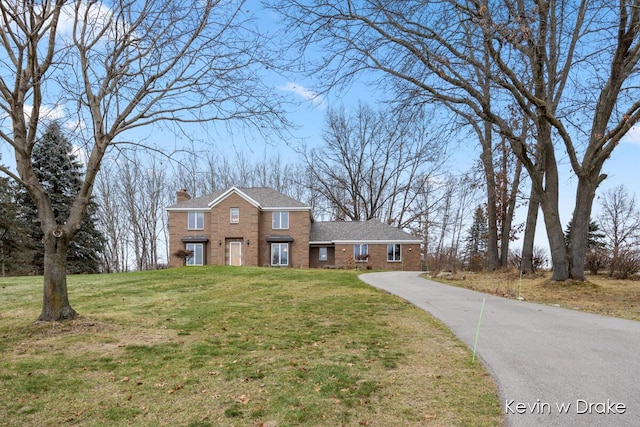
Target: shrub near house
{"x":263,"y":227}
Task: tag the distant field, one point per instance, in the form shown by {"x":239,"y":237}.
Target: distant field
{"x":599,"y":294}
{"x":220,"y":346}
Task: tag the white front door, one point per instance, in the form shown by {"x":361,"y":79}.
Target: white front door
{"x":235,"y":253}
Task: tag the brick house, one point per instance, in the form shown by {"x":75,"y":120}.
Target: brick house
{"x":263,"y":227}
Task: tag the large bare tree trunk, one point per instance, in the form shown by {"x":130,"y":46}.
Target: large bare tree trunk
{"x":526,"y":262}
{"x":492,"y":215}
{"x":556,"y":242}
{"x":579,"y":238}
{"x":55,"y":300}
{"x":509,"y":211}
{"x":548,"y":192}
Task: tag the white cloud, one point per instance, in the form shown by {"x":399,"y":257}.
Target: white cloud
{"x":306,"y":94}
{"x":57,"y":112}
{"x":95,"y":17}
{"x":81,"y":153}
{"x":633,"y":136}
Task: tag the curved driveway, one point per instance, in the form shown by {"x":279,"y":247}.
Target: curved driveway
{"x":553,"y":366}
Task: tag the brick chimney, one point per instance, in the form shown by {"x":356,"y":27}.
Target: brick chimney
{"x":182,"y":196}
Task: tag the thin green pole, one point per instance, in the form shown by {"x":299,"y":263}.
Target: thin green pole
{"x":475,"y":345}
{"x":520,"y":287}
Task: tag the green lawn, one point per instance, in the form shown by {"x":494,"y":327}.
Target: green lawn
{"x":220,"y":346}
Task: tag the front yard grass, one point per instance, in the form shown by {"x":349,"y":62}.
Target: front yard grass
{"x":221,"y":346}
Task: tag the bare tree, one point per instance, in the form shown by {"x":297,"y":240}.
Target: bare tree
{"x":216,"y":171}
{"x":555,"y":43}
{"x":620,"y":223}
{"x":528,"y":240}
{"x":143,"y":191}
{"x":508,"y":189}
{"x":372,"y":163}
{"x":116,"y":67}
{"x":112,"y":220}
{"x":441,"y":214}
{"x":529,"y":51}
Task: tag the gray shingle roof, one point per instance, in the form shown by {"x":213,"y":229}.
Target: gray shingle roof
{"x":372,"y":230}
{"x":270,"y":198}
{"x":266,"y":197}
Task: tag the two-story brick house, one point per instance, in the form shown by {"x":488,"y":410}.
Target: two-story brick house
{"x":263,"y":227}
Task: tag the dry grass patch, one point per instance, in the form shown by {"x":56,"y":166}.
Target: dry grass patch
{"x":234,"y":347}
{"x":454,"y":388}
{"x":599,"y":294}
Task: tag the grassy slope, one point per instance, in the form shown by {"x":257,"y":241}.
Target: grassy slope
{"x":224,"y":346}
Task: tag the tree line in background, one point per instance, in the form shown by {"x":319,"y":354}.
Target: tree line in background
{"x":372,"y":165}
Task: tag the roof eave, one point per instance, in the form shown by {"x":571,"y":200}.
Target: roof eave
{"x":178,"y":209}
{"x":377,"y":241}
{"x":286,"y":208}
{"x":239,"y":193}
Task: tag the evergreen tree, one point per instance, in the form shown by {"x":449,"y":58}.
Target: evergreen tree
{"x":597,"y":256}
{"x":60,"y":173}
{"x":595,"y":239}
{"x":16,"y":249}
{"x":476,"y":241}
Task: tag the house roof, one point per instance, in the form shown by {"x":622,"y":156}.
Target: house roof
{"x":372,"y":231}
{"x":261,"y":197}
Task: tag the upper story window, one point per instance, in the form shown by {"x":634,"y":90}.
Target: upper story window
{"x":280,"y":220}
{"x":195,"y":221}
{"x":361,"y":252}
{"x":234,"y":215}
{"x":393,"y":252}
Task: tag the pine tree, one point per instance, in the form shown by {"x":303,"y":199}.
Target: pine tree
{"x":16,"y":249}
{"x":477,"y":238}
{"x":60,"y":173}
{"x":595,"y":239}
{"x":597,"y":256}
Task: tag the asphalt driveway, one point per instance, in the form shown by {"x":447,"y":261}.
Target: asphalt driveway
{"x":553,"y":366}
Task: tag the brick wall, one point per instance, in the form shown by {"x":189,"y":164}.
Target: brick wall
{"x":410,"y":257}
{"x":299,"y":225}
{"x":314,"y":258}
{"x":224,"y":231}
{"x":255,"y":226}
{"x":178,"y":222}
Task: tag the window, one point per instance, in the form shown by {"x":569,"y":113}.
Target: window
{"x":234,"y":215}
{"x":361,"y":252}
{"x":393,"y":252}
{"x":280,"y":254}
{"x":197,"y":256}
{"x":280,"y":220}
{"x":195,"y":221}
{"x":323,"y":254}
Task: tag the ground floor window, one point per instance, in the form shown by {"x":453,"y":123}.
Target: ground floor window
{"x":280,"y":254}
{"x":322,"y":254}
{"x":197,"y":254}
{"x":393,"y":252}
{"x":361,"y":252}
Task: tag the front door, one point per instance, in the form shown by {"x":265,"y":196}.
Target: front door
{"x":235,"y":253}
